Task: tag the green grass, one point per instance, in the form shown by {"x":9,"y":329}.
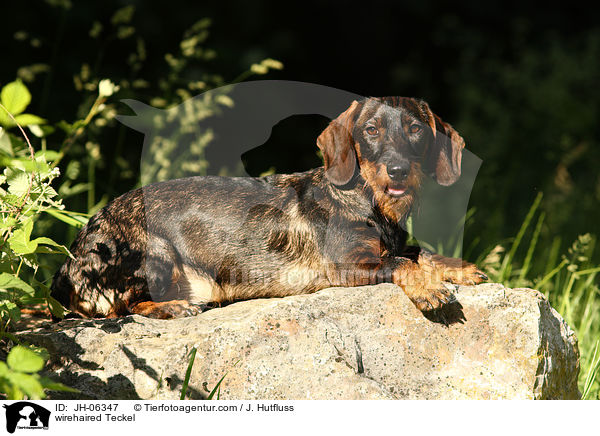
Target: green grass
{"x":216,"y":390}
{"x":570,"y":282}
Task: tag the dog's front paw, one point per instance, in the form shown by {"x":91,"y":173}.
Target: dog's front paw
{"x":429,"y":298}
{"x":467,"y":274}
{"x":450,"y":269}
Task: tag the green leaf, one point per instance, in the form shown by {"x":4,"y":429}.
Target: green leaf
{"x":11,"y":199}
{"x":64,"y":126}
{"x":12,"y":392}
{"x":49,"y":155}
{"x":11,"y":309}
{"x":5,"y":143}
{"x":32,"y":301}
{"x":45,"y":250}
{"x":8,"y":223}
{"x":5,"y":120}
{"x":20,"y":241}
{"x":23,"y":359}
{"x":36,"y":130}
{"x":8,"y":281}
{"x":47,"y":241}
{"x":38,"y":165}
{"x":18,"y":183}
{"x":47,"y":130}
{"x":40,"y":351}
{"x":73,"y":169}
{"x":70,"y":128}
{"x":15,"y":97}
{"x":72,"y":220}
{"x":3,"y":369}
{"x":29,"y":120}
{"x":28,"y":384}
{"x":56,"y":308}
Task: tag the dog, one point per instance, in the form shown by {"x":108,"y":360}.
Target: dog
{"x":174,"y":248}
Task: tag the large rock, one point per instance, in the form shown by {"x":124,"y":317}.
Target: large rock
{"x":367,"y":342}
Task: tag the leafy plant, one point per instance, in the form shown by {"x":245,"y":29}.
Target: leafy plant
{"x":15,"y":98}
{"x":19,"y":378}
{"x":25,"y":193}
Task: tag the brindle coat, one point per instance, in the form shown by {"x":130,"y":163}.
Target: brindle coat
{"x":167,"y":249}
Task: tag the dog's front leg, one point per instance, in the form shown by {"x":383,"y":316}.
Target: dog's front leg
{"x":423,"y":284}
{"x":424,"y":276}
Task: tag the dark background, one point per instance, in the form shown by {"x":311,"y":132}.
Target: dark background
{"x":518,"y":81}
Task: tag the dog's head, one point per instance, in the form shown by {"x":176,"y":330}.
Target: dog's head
{"x":393,"y":142}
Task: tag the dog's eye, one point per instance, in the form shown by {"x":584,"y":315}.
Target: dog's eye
{"x":372,"y":131}
{"x":415,"y":128}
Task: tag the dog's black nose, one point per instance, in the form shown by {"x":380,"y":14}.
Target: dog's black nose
{"x":398,"y":172}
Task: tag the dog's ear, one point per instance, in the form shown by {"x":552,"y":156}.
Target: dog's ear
{"x":337,"y":146}
{"x":444,"y":154}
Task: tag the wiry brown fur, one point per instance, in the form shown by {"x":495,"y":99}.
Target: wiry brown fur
{"x":169,"y":249}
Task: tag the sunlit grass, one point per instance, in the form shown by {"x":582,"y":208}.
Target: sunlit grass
{"x":570,"y":282}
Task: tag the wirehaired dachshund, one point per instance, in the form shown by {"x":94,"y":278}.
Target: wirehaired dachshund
{"x":169,"y":249}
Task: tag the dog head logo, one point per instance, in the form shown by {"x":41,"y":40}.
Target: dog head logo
{"x":26,"y":415}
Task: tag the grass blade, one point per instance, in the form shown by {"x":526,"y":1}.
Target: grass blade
{"x":216,"y":388}
{"x":506,"y":263}
{"x":188,"y":373}
{"x":551,"y":274}
{"x":592,"y":372}
{"x":531,"y":249}
{"x":553,"y":256}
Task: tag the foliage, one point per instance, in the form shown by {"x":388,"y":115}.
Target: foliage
{"x":19,"y":378}
{"x":570,"y":283}
{"x":25,"y":193}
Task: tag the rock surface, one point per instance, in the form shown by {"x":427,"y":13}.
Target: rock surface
{"x":367,"y":342}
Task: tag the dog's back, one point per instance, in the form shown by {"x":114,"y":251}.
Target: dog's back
{"x":200,"y":239}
